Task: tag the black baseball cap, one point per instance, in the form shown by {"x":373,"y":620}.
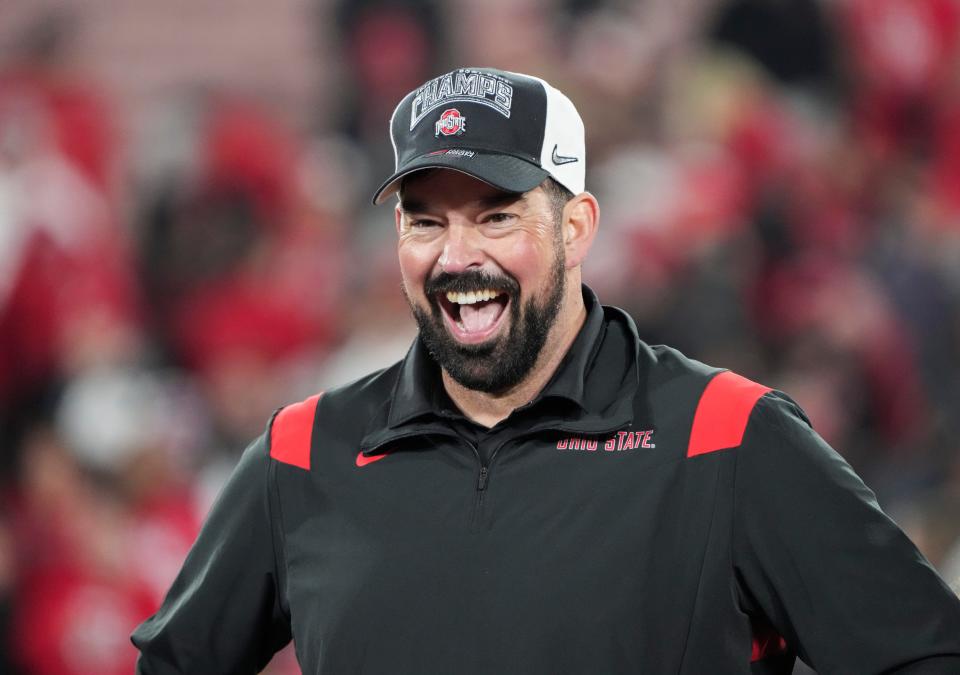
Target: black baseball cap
{"x":509,"y":130}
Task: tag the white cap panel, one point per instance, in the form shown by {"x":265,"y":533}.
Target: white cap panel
{"x":564,"y":152}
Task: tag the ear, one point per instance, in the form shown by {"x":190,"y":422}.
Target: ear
{"x":398,"y":216}
{"x":581,"y":217}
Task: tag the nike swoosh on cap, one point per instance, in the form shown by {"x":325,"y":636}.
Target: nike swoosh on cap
{"x":363,"y":460}
{"x":562,"y":159}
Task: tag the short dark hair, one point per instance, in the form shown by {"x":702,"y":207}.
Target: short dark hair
{"x":558,"y":196}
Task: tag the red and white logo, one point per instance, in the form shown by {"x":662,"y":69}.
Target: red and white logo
{"x":451,"y":123}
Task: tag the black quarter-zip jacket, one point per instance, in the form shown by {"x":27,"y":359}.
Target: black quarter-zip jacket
{"x":644,"y":514}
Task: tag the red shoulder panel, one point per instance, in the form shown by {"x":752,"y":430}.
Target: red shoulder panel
{"x":292,"y":432}
{"x":723,"y":412}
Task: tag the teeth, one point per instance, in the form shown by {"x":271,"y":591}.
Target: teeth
{"x":472,"y":297}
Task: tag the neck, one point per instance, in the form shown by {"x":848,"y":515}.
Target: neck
{"x":489,"y":409}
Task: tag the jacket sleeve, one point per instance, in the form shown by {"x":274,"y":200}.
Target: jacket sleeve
{"x":224,"y":612}
{"x":816,"y":556}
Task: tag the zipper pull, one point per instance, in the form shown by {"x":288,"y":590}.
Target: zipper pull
{"x":482,"y":481}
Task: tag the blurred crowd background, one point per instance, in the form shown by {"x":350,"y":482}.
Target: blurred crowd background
{"x":187,"y":243}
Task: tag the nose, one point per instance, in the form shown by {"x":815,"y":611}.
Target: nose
{"x":461,"y":249}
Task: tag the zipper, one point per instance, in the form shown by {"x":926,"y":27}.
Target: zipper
{"x":536,"y":430}
{"x":482,"y":480}
{"x":484,"y":471}
{"x":483,"y":475}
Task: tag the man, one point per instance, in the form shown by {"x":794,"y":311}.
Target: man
{"x":533,"y":489}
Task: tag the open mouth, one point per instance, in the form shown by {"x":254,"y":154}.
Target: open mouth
{"x":476,"y":315}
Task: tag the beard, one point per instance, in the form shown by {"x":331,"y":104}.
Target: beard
{"x":502,"y":362}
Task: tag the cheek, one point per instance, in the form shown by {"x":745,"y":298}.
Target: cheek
{"x":415,"y":266}
{"x":530,"y":261}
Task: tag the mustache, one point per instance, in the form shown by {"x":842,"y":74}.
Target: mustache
{"x":471,"y":280}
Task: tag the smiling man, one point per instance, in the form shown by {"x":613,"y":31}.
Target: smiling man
{"x":493,"y":280}
{"x":533,"y":489}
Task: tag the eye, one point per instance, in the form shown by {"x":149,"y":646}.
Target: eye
{"x":499,"y":218}
{"x":421,"y":223}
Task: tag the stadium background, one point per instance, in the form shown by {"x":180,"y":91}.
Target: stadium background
{"x":186,"y":243}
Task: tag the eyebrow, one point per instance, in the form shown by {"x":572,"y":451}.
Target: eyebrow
{"x":416,"y":206}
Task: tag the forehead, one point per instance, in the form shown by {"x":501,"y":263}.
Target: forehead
{"x":450,"y":188}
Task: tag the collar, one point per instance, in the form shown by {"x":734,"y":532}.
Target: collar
{"x":419,"y":392}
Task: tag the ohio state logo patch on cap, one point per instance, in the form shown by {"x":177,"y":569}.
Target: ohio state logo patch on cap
{"x":451,"y":123}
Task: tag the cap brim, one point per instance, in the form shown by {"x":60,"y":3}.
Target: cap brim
{"x":504,"y":172}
